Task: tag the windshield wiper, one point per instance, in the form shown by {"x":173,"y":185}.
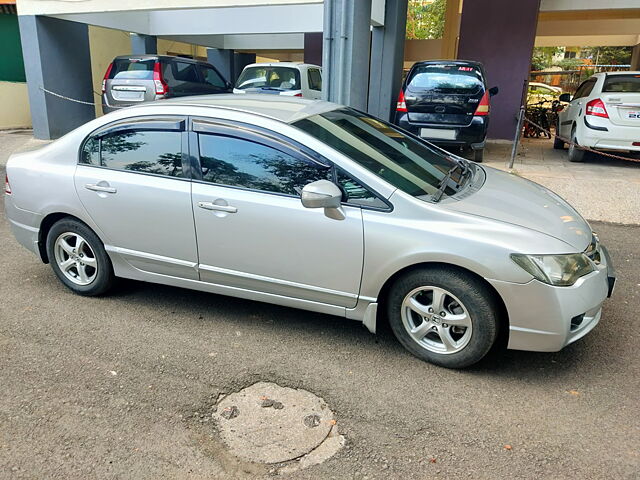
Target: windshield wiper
{"x":273,"y":88}
{"x":460,"y":165}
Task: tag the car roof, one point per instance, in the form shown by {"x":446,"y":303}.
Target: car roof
{"x":449,"y":62}
{"x":621,"y":72}
{"x":283,"y":64}
{"x":156,"y":57}
{"x":278,"y":107}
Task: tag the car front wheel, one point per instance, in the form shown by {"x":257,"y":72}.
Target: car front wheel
{"x":78,"y":258}
{"x":444,"y":316}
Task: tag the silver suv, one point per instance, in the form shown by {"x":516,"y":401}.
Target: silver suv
{"x":133,"y":79}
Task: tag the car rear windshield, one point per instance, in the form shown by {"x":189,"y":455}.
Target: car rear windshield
{"x":405,"y":162}
{"x":277,"y":78}
{"x":440,"y":78}
{"x":133,"y":68}
{"x":622,"y":84}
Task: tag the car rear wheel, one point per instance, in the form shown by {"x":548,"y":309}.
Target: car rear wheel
{"x":575,"y":153}
{"x":444,"y":316}
{"x":478,"y":155}
{"x":78,"y":258}
{"x":558,"y":143}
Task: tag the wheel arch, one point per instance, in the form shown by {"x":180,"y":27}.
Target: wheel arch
{"x":503,"y":331}
{"x":45,"y":226}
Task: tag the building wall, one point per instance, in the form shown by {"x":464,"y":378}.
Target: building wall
{"x":14,"y":101}
{"x":14,"y":105}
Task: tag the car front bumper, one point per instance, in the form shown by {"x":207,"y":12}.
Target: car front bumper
{"x":544,"y":318}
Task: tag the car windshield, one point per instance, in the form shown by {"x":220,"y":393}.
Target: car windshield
{"x":279,"y":78}
{"x":622,"y":84}
{"x":455,"y":79}
{"x":404,"y":161}
{"x":133,"y":68}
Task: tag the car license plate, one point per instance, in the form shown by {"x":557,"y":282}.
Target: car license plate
{"x":633,"y":114}
{"x":438,"y":133}
{"x":123,"y":95}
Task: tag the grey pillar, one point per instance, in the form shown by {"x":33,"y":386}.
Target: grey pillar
{"x":241,"y":60}
{"x":387,"y":57}
{"x":143,"y":44}
{"x":345,"y":55}
{"x":223,"y":60}
{"x":56,"y":58}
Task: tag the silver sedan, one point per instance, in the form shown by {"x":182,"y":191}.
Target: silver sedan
{"x":317,"y":206}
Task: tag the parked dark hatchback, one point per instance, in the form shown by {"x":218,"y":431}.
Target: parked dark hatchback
{"x":132,"y":79}
{"x":446,"y":102}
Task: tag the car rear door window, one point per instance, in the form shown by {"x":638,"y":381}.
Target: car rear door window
{"x":212,"y":78}
{"x":185,"y":72}
{"x":584,"y":90}
{"x":145,"y":151}
{"x":237,"y":162}
{"x":315,"y":79}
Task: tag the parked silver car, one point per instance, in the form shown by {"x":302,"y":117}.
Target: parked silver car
{"x":312,"y":205}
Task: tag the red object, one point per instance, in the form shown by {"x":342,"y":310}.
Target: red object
{"x":106,"y":76}
{"x":7,"y":187}
{"x":483,"y":106}
{"x":596,"y":108}
{"x":161,"y":87}
{"x":636,"y":144}
{"x":298,"y":95}
{"x":401,"y":106}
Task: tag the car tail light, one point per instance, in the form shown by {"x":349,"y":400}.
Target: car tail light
{"x":298,"y":95}
{"x":596,"y":107}
{"x":483,"y":106}
{"x":106,"y":76}
{"x":401,"y":105}
{"x":161,"y":87}
{"x":7,"y":187}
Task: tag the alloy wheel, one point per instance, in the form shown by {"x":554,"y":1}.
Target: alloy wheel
{"x":75,"y":258}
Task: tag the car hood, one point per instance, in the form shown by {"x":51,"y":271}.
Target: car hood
{"x":512,"y":199}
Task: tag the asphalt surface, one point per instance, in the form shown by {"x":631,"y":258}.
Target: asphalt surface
{"x":122,"y":386}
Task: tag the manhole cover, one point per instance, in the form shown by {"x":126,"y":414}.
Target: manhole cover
{"x":268,"y":423}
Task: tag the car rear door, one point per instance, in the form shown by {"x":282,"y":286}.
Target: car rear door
{"x":132,"y":183}
{"x":443,"y":93}
{"x":621,"y":95}
{"x":182,"y":77}
{"x":130,"y":81}
{"x":253,"y":232}
{"x":570,"y":114}
{"x":212,"y":81}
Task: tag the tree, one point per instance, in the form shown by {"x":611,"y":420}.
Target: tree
{"x":425,"y":19}
{"x":543,"y":57}
{"x":608,"y":55}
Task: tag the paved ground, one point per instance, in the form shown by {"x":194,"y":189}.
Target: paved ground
{"x":122,"y":386}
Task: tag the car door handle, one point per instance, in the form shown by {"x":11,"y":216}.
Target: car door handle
{"x":100,"y":188}
{"x":219,"y":208}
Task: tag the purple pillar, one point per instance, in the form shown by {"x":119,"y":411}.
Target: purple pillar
{"x":313,"y":48}
{"x":501,"y":34}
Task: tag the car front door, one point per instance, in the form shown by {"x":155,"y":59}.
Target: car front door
{"x":253,"y":232}
{"x":132,"y":183}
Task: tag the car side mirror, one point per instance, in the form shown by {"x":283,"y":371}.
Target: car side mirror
{"x":565,"y":97}
{"x":493,"y":91}
{"x":323,"y":194}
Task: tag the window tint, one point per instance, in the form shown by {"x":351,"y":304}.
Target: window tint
{"x":212,"y":77}
{"x":274,"y":78}
{"x":132,"y":68}
{"x":622,"y":84}
{"x":356,"y":193}
{"x":185,"y":72}
{"x":158,"y":152}
{"x":242,"y":163}
{"x":585,"y":89}
{"x":456,"y":79}
{"x":315,"y":79}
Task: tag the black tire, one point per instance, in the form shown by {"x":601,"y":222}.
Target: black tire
{"x":558,"y":144}
{"x":575,"y":154}
{"x":475,"y":296}
{"x":102,"y":279}
{"x":478,"y":155}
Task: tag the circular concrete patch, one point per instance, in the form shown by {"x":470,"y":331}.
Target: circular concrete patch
{"x":268,"y":423}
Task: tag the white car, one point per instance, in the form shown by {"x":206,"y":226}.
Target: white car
{"x":281,"y":78}
{"x":603,"y":114}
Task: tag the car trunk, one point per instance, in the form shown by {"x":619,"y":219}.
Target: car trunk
{"x":621,"y":96}
{"x":131,"y":81}
{"x":443,"y":94}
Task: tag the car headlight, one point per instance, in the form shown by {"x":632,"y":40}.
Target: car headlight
{"x":558,"y":270}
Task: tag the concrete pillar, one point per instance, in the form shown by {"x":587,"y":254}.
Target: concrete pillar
{"x":241,"y":60}
{"x":143,"y":44}
{"x":345,"y":55}
{"x":501,"y":34}
{"x":56,"y":58}
{"x":313,"y":48}
{"x":635,"y":58}
{"x":387,"y":54}
{"x":223,"y":60}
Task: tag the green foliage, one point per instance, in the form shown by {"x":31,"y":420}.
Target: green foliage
{"x":608,"y":55}
{"x":569,"y":63}
{"x":425,"y":19}
{"x":543,"y":57}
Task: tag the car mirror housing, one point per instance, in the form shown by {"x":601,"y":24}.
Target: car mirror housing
{"x":321,"y":194}
{"x":565,"y":97}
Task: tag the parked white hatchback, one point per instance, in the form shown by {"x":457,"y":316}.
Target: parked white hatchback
{"x":603,"y":114}
{"x":281,"y":78}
